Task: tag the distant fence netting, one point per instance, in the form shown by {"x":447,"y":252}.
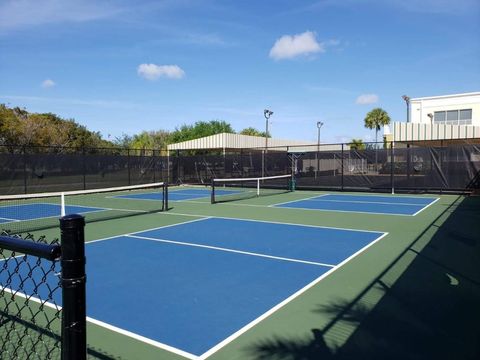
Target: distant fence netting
{"x":433,"y":166}
{"x":42,"y":295}
{"x":385,"y":167}
{"x":44,"y":169}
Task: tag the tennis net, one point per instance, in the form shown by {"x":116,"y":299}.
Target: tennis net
{"x":31,"y":212}
{"x":224,"y":190}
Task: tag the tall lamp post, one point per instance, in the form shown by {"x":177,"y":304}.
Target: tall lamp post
{"x":266,"y":113}
{"x":407,"y":101}
{"x":319,"y":127}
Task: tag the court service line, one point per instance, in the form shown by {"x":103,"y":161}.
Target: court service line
{"x":231,"y":250}
{"x":284,"y":302}
{"x":343,"y":211}
{"x":367,"y":202}
{"x":419,"y":211}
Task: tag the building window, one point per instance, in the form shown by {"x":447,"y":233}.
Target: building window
{"x":453,"y":117}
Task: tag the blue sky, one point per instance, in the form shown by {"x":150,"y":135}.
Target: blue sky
{"x":127,"y":66}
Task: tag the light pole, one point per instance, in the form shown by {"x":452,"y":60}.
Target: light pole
{"x":267,"y":113}
{"x":319,"y":126}
{"x":407,"y":101}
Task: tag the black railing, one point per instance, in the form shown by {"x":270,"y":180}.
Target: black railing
{"x":42,"y":295}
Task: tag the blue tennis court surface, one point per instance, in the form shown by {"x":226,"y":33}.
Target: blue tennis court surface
{"x":375,"y":204}
{"x":178,"y":195}
{"x":192,"y":285}
{"x":39,"y":210}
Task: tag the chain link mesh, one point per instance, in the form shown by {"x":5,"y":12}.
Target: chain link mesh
{"x":30,"y":314}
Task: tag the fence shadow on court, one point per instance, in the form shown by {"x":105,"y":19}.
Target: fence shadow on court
{"x":423,"y":305}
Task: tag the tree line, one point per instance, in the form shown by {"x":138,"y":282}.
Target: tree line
{"x":20,"y":128}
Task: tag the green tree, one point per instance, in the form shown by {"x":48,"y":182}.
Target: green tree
{"x":253,"y":132}
{"x":357,"y":144}
{"x":375,"y":119}
{"x":20,"y":128}
{"x":200,"y":129}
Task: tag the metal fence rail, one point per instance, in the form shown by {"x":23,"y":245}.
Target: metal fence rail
{"x":42,"y":295}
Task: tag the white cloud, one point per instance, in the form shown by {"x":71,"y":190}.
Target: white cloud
{"x":290,"y":46}
{"x":48,"y":83}
{"x":153,"y":72}
{"x":366,"y":99}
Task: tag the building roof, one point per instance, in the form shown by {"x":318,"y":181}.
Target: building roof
{"x":446,"y":96}
{"x":226,"y":141}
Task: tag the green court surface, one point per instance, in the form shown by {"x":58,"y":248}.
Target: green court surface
{"x":412,"y":294}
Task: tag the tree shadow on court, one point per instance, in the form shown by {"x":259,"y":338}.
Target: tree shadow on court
{"x":424,"y":305}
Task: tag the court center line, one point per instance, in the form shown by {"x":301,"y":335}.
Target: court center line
{"x":231,"y":250}
{"x":156,"y":228}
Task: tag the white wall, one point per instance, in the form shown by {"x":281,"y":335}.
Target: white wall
{"x":421,"y":107}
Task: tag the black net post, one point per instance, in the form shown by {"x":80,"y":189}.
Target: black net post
{"x":212,"y":194}
{"x":165,"y":196}
{"x":74,"y":329}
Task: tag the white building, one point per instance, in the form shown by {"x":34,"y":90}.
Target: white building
{"x":457,"y":109}
{"x":438,"y":118}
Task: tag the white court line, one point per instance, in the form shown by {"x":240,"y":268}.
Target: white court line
{"x":223,"y":203}
{"x":264,"y":221}
{"x":105,"y":325}
{"x":143,"y":339}
{"x":231,"y":250}
{"x":419,"y":211}
{"x":9,"y":220}
{"x":343,"y":211}
{"x":364,"y":202}
{"x":284,"y":302}
{"x":291,"y":201}
{"x":150,"y":229}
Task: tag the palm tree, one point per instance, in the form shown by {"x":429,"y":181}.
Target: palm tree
{"x":356,"y":144}
{"x":375,"y":119}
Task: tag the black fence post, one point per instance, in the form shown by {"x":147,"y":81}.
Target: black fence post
{"x":25,"y":170}
{"x":74,"y":322}
{"x":392,"y":168}
{"x":128,"y":166}
{"x":84,"y":170}
{"x":343,"y":168}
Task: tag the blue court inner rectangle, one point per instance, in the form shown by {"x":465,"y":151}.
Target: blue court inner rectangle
{"x":375,"y":204}
{"x":192,"y":285}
